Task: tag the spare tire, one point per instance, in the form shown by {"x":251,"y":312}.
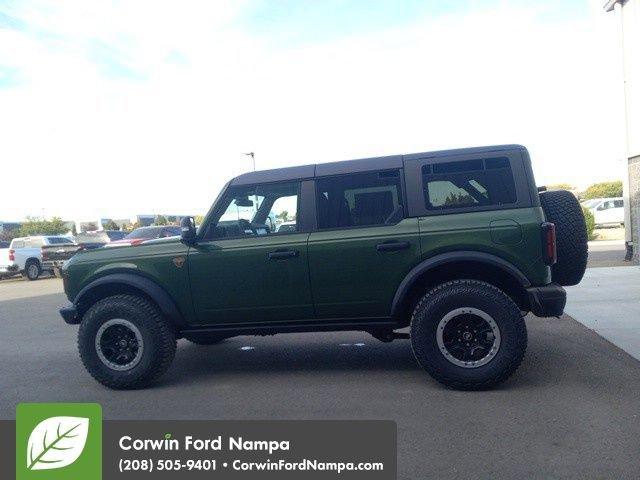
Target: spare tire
{"x":562,"y":209}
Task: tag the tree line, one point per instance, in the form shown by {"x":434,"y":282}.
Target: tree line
{"x":57,"y":226}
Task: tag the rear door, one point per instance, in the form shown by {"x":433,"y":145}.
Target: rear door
{"x":473,"y":202}
{"x":618,"y":208}
{"x":363,"y":246}
{"x":242,"y":270}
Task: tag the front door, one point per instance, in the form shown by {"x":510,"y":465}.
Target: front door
{"x":251,"y":265}
{"x":363,"y":247}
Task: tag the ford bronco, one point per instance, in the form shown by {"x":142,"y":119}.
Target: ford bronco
{"x":457,"y":245}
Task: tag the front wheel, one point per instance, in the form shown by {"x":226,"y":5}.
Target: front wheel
{"x":468,"y":334}
{"x":125,"y":343}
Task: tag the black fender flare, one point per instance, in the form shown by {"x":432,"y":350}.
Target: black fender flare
{"x":150,"y":288}
{"x":452,"y":257}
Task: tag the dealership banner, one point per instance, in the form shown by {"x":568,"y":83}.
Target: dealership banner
{"x":71,"y":441}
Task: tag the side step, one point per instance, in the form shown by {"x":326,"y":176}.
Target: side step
{"x":387,"y":336}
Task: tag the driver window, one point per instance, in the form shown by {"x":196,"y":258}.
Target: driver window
{"x":258,"y":210}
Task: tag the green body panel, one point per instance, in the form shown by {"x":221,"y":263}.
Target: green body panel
{"x":336,"y":273}
{"x":350,"y":278}
{"x":233,"y":280}
{"x":153,"y":260}
{"x":513,"y":235}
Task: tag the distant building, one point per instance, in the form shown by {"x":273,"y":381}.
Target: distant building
{"x":627,"y":13}
{"x":94,"y":224}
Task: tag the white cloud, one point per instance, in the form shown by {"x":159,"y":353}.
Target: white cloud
{"x":157,"y":119}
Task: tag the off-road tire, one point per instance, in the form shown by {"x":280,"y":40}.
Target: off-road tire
{"x":32,"y":269}
{"x":475,"y":294}
{"x":205,"y":338}
{"x":563,"y":209}
{"x":158,"y":337}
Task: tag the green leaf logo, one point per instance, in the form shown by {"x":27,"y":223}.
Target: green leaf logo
{"x":56,"y":442}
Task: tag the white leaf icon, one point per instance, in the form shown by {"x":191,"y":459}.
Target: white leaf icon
{"x":56,"y":442}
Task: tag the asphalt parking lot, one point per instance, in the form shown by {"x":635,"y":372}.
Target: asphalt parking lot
{"x":571,"y":411}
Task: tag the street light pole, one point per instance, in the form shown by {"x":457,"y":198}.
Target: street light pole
{"x":253,"y":159}
{"x":255,"y":197}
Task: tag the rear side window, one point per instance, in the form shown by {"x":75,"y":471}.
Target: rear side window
{"x":467,"y":184}
{"x":58,"y":240}
{"x":358,"y":200}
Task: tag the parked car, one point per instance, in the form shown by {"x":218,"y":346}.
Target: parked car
{"x":458,"y":245}
{"x":142,"y":234}
{"x":99,"y":238}
{"x":606,"y":211}
{"x":6,"y":270}
{"x":286,"y":227}
{"x":24,"y":255}
{"x":54,"y":256}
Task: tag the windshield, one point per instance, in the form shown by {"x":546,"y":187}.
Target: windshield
{"x":242,"y":208}
{"x":114,"y":235}
{"x":149,"y":233}
{"x":145,"y":232}
{"x":590,"y":203}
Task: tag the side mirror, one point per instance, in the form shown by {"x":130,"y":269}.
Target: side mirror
{"x":188,"y":231}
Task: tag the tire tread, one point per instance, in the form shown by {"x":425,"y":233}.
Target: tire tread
{"x":563,"y":209}
{"x":166,"y":348}
{"x":472,"y":287}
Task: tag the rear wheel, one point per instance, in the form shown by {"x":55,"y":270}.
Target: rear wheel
{"x":125,"y":343}
{"x":32,"y":269}
{"x":468,"y":334}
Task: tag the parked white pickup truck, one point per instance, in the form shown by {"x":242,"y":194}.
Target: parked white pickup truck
{"x":606,"y":211}
{"x":24,"y":255}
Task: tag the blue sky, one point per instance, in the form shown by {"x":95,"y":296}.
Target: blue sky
{"x":280,"y":24}
{"x":132,"y":93}
{"x":291,"y":22}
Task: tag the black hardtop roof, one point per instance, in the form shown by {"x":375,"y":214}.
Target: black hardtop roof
{"x":358,"y":165}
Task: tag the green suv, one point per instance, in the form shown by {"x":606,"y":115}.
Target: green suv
{"x":458,"y":245}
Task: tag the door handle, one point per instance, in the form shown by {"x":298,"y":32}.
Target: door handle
{"x":392,"y":246}
{"x":283,"y":254}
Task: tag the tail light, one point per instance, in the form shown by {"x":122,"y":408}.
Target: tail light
{"x":549,"y":243}
{"x":12,"y":255}
{"x":43,"y":254}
